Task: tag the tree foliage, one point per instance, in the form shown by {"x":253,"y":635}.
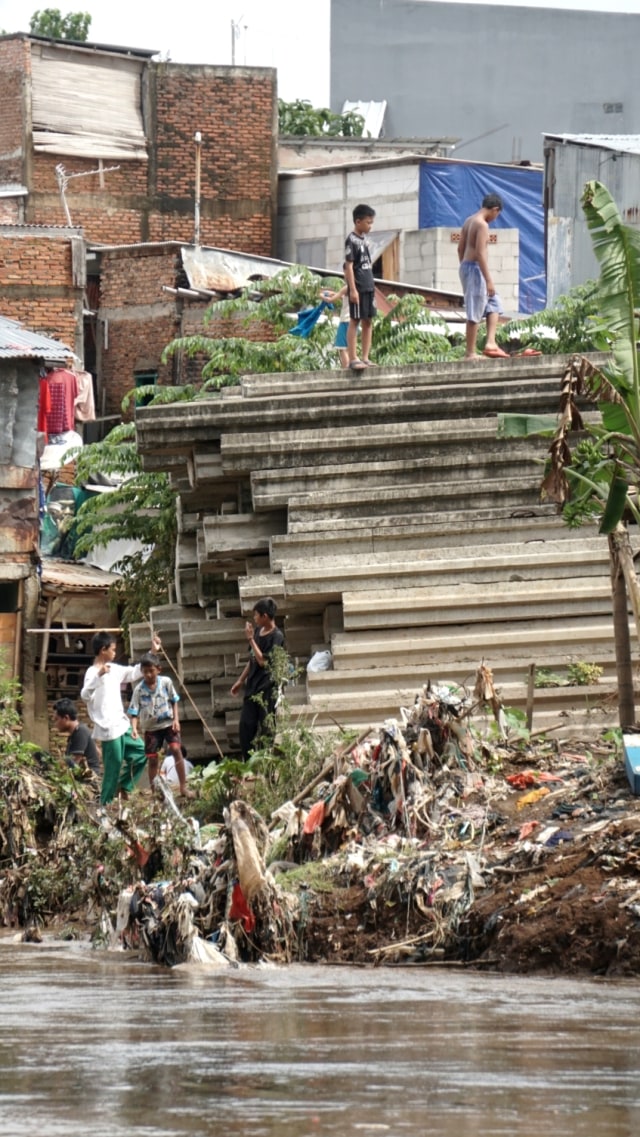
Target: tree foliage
{"x":140,"y":510}
{"x":50,"y":22}
{"x":301,"y":119}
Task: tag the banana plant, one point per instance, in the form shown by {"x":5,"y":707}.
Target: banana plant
{"x":607,"y":484}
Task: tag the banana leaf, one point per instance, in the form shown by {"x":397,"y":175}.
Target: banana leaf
{"x":617,"y":248}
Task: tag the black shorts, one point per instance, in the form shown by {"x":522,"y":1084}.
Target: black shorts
{"x":154,"y":740}
{"x":365,"y":309}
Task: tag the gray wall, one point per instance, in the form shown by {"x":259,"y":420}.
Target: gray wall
{"x":568,"y":166}
{"x":466,"y":69}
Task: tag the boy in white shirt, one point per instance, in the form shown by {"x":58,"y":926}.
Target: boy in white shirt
{"x":123,"y":756}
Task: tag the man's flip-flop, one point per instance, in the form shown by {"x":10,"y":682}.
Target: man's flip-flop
{"x":495,"y":353}
{"x":529,"y":351}
{"x":357,"y":365}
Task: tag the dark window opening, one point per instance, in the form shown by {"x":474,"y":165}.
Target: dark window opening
{"x":144,"y":379}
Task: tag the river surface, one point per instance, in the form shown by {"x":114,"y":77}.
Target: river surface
{"x":97,"y":1045}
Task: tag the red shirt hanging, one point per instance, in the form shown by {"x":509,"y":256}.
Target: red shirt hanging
{"x":63,"y":389}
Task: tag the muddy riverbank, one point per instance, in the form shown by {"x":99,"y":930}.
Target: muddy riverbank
{"x":424,"y":842}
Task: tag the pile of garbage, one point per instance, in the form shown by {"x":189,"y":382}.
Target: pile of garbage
{"x":422,"y":842}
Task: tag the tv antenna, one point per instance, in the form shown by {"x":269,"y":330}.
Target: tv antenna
{"x":63,"y":179}
{"x":237,"y":28}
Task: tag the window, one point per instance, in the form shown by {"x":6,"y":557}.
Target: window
{"x":144,"y":379}
{"x":312,"y":253}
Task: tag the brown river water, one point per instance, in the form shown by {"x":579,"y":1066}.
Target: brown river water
{"x":96,"y":1045}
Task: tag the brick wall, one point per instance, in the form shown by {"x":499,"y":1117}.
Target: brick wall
{"x":234,"y":109}
{"x":36,"y":284}
{"x":137,"y":319}
{"x":15,"y":72}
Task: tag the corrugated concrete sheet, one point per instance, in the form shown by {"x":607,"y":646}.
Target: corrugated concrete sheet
{"x":87,"y":104}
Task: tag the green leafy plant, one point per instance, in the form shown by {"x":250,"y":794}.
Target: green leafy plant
{"x":573,"y":324}
{"x":50,"y":22}
{"x":545,"y":678}
{"x":582,"y":674}
{"x":301,"y":119}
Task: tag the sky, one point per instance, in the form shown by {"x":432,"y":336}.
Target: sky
{"x":291,"y":35}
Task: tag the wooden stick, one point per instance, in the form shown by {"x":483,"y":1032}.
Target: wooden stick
{"x":328,"y":768}
{"x":530,"y":694}
{"x":186,"y":691}
{"x":70,"y":631}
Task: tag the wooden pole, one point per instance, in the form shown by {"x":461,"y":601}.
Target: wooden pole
{"x":186,"y":691}
{"x":531,"y":686}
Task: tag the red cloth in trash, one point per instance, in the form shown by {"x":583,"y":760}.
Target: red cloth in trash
{"x":527,"y":829}
{"x":314,"y":818}
{"x":240,"y":910}
{"x":522,"y":781}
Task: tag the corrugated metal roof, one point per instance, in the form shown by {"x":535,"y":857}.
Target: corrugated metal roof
{"x":71,"y":576}
{"x":18,"y":343}
{"x":219,"y":270}
{"x":623,"y":143}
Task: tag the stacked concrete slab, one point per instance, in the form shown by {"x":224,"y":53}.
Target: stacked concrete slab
{"x":392,"y":525}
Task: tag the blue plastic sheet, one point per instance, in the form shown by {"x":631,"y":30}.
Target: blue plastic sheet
{"x":450,"y":191}
{"x":307,"y":320}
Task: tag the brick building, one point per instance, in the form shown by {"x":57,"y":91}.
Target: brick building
{"x":150,"y":294}
{"x":42,"y":279}
{"x":104,"y":137}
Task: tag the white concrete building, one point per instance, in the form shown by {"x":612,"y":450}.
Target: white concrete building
{"x":315,"y":214}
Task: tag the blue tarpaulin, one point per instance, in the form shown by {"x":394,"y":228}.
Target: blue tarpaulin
{"x":307,"y":320}
{"x":450,"y":191}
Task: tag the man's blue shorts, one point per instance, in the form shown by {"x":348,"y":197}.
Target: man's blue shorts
{"x":477,"y":301}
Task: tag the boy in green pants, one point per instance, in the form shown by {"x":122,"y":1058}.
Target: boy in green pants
{"x":123,"y":757}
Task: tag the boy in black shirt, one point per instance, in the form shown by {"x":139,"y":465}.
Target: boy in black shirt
{"x":358,"y":273}
{"x":259,"y":690}
{"x":81,"y":751}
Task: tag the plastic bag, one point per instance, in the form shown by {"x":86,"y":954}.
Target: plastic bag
{"x":320,"y":661}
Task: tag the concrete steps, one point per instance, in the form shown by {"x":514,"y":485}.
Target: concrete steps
{"x":390,"y":522}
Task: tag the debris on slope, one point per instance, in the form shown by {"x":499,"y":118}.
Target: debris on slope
{"x":419,"y":843}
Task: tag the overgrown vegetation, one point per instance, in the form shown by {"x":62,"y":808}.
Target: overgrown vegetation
{"x":577,"y":674}
{"x":301,"y":119}
{"x":573,"y":324}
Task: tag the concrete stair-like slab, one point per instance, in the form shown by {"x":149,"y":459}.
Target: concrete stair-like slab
{"x":391,"y":523}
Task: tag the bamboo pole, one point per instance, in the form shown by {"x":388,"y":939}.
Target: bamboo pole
{"x":196,"y":709}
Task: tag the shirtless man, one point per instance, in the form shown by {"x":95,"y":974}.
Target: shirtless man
{"x":480,"y":297}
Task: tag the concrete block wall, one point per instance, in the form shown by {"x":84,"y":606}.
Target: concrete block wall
{"x":430,"y":257}
{"x":36,"y":284}
{"x":319,"y":206}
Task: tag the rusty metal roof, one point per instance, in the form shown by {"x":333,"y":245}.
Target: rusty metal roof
{"x":73,"y":576}
{"x":16,"y":342}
